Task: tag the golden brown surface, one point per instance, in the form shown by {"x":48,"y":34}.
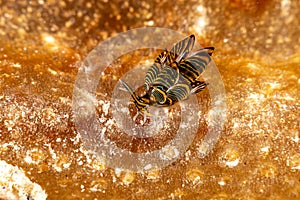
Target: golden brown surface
{"x":257,"y":53}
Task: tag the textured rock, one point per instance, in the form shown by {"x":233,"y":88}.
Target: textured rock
{"x":258,"y":56}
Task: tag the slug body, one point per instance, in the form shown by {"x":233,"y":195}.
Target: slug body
{"x":173,"y":76}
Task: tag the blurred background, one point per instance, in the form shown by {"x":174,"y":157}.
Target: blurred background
{"x":258,"y":56}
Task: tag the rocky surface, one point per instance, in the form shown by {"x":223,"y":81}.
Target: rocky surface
{"x":42,"y":45}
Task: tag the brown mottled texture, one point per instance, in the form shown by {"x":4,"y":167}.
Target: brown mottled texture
{"x":257,"y":53}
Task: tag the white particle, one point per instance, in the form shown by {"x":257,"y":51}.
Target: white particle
{"x":222,"y":183}
{"x":82,"y":188}
{"x":53,"y":154}
{"x":147,"y":167}
{"x":16,"y":65}
{"x":49,"y":39}
{"x":295,"y":139}
{"x":118,"y":171}
{"x":265,"y":149}
{"x":66,"y":165}
{"x":232,"y":163}
{"x":105,"y":106}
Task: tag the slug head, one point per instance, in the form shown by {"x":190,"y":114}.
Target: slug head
{"x":141,"y":103}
